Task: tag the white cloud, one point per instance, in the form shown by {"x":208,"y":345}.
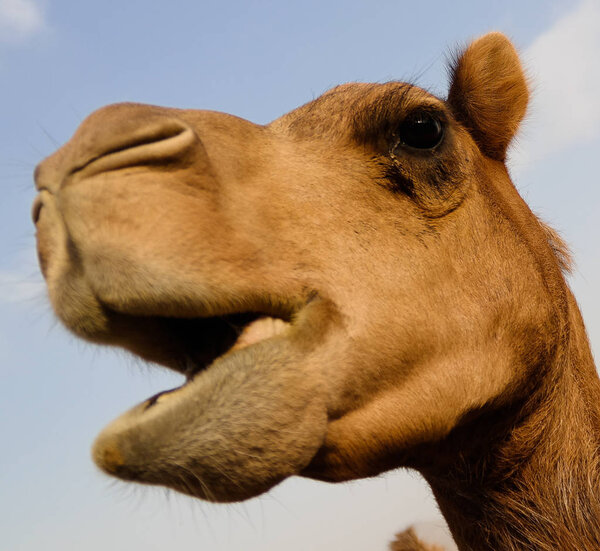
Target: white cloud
{"x":20,"y":19}
{"x":21,"y":281}
{"x":17,"y":288}
{"x":563,"y":64}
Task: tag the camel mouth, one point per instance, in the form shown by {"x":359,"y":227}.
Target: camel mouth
{"x":226,"y":414}
{"x":211,"y":339}
{"x":191,"y":346}
{"x":202,"y":341}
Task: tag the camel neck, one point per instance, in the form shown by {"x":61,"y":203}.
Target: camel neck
{"x":539,"y":487}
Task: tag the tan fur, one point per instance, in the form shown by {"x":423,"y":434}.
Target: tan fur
{"x":420,"y":317}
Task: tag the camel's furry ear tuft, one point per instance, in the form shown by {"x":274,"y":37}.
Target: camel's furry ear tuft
{"x":488,"y":93}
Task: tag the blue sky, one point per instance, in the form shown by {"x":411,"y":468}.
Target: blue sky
{"x":60,"y":60}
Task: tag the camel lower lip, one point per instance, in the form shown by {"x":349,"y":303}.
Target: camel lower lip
{"x":160,"y":395}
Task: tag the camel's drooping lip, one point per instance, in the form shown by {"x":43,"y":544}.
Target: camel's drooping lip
{"x":251,"y":415}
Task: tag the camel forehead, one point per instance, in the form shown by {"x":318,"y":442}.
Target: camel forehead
{"x":356,"y":109}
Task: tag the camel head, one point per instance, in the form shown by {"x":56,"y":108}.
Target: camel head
{"x":347,"y":289}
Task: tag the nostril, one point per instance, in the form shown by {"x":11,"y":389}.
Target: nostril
{"x":36,"y":209}
{"x":147,"y":135}
{"x":132,"y":142}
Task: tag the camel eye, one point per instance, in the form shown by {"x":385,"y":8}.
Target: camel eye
{"x":421,"y":130}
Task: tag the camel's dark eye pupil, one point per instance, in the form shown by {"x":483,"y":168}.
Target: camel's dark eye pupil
{"x":421,"y":130}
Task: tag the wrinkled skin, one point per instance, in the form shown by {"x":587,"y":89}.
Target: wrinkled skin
{"x":388,"y":292}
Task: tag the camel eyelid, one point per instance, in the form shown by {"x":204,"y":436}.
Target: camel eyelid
{"x":381,"y":120}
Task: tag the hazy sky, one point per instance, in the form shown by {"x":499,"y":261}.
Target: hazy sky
{"x":60,"y":60}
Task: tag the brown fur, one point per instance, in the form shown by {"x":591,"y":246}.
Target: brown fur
{"x":489,"y":94}
{"x":341,"y":302}
{"x":408,"y":541}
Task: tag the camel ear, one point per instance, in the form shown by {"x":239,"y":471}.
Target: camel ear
{"x":488,"y":93}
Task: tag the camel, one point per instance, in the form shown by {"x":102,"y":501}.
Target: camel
{"x":352,"y":288}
